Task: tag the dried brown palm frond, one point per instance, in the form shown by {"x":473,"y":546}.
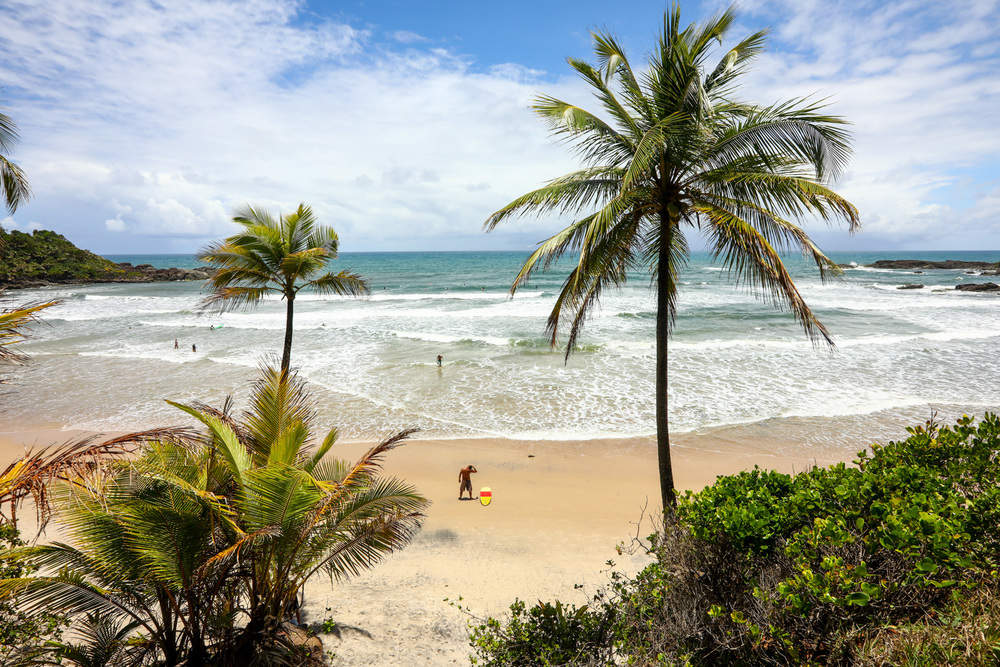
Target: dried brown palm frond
{"x":71,"y":462}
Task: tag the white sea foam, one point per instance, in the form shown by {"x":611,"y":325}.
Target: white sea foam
{"x":732,"y":359}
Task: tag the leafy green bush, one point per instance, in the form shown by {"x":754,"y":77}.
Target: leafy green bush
{"x":767,"y":568}
{"x":544,"y":634}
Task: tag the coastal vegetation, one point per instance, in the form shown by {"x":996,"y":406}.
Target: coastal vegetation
{"x":196,"y":550}
{"x":277,"y":255}
{"x":890,"y":561}
{"x":46,"y":256}
{"x":681,"y":154}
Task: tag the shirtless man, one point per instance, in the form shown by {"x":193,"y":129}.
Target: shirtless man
{"x":465,"y":480}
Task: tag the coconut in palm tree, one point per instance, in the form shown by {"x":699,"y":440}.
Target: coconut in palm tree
{"x":674,"y":152}
{"x":279,"y":255}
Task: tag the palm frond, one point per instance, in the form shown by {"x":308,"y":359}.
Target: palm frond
{"x":342,"y":283}
{"x":277,"y":400}
{"x":14,"y":323}
{"x":14,"y":185}
{"x":579,"y":189}
{"x":34,"y":473}
{"x":229,"y":299}
{"x":754,"y":262}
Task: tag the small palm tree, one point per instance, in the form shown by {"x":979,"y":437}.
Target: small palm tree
{"x":202,"y":545}
{"x":675,"y":152}
{"x":276,"y":255}
{"x":13,"y":183}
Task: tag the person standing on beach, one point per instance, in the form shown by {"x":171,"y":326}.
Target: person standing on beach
{"x":175,"y":344}
{"x":194,"y":348}
{"x":440,"y":359}
{"x":465,"y":480}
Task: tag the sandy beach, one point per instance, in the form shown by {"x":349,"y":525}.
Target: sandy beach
{"x":559,"y":510}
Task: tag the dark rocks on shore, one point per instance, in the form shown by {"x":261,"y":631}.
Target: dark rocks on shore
{"x":926,"y":264}
{"x":145,"y":273}
{"x":978,"y":287}
{"x":910,"y":286}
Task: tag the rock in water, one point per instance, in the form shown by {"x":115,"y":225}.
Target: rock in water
{"x":910,"y":286}
{"x":978,"y":287}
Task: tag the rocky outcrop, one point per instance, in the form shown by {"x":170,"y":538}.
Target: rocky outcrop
{"x":146,"y":273}
{"x":926,"y":264}
{"x":47,"y":258}
{"x":910,"y":286}
{"x":978,"y":287}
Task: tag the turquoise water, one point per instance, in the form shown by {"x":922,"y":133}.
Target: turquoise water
{"x":372,"y":361}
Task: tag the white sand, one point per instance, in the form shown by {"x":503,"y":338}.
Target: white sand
{"x":555,"y":520}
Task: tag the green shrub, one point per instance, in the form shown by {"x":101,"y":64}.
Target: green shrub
{"x":544,"y":634}
{"x":767,"y":568}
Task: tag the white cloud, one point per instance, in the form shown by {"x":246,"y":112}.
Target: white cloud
{"x":180,"y":115}
{"x":922,"y":99}
{"x":115,"y":224}
{"x":154,"y":122}
{"x":408,"y":37}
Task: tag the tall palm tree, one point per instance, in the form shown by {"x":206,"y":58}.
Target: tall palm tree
{"x":276,"y":255}
{"x":203,"y":544}
{"x":672,"y":152}
{"x":13,"y":183}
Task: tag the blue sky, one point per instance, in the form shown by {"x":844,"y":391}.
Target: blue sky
{"x":405,"y":124}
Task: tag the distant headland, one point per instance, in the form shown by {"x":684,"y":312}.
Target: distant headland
{"x":47,"y":258}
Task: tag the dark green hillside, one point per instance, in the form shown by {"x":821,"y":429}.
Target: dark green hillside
{"x":45,"y":256}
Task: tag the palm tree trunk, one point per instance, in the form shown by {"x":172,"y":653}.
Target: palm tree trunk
{"x":286,"y":355}
{"x":667,"y":493}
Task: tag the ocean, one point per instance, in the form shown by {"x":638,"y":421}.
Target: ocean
{"x":105,"y":359}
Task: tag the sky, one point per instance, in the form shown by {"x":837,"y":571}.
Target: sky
{"x":405,"y":124}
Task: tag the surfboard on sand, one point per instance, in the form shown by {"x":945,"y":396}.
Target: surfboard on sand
{"x":485,"y":496}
